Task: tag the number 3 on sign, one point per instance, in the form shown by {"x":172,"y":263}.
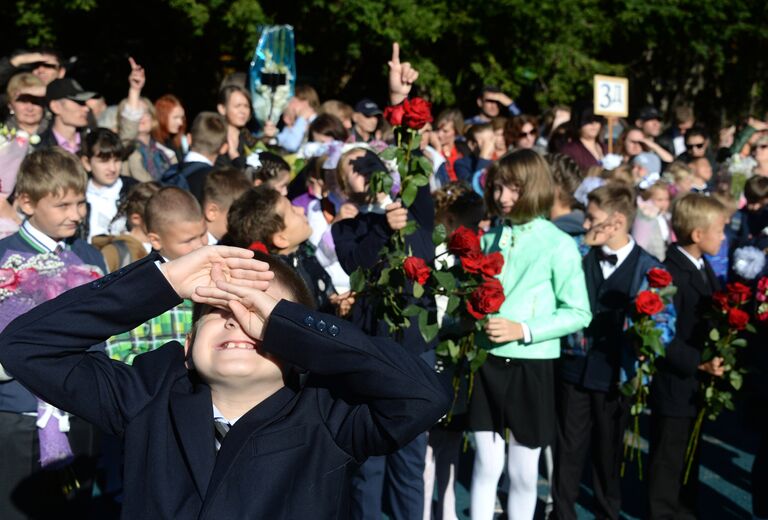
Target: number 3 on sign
{"x":611,"y":96}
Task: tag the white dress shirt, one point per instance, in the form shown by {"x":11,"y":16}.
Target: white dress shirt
{"x":697,"y":262}
{"x":621,"y":254}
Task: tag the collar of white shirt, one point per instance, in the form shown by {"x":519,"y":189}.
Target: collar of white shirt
{"x":197,"y":157}
{"x":212,"y":240}
{"x":106,"y":192}
{"x":41,"y":238}
{"x":218,"y":416}
{"x":697,"y":262}
{"x":621,"y":253}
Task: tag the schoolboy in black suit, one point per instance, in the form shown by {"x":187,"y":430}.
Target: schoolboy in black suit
{"x":592,"y":412}
{"x":698,"y":222}
{"x":285,"y":449}
{"x":50,"y":190}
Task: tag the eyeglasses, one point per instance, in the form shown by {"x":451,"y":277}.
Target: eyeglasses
{"x":697,"y":146}
{"x":523,"y":135}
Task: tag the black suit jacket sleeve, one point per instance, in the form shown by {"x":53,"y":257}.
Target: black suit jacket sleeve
{"x":681,"y":356}
{"x":359,"y":240}
{"x":46,"y":349}
{"x":383,"y":396}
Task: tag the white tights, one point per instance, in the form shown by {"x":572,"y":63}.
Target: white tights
{"x":523,"y":469}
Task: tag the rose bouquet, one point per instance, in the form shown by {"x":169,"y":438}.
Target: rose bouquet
{"x":652,"y":327}
{"x":725,"y":339}
{"x":466,"y":281}
{"x":397,"y":276}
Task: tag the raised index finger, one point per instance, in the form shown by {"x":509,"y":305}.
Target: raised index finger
{"x":133,"y":63}
{"x":395,"y":54}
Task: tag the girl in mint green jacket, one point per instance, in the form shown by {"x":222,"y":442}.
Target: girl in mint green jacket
{"x":546,"y":299}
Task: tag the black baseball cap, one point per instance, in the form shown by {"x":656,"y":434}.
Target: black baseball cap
{"x":368,"y":108}
{"x":648,"y":112}
{"x":67,"y":88}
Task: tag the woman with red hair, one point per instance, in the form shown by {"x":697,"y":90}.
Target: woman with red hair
{"x":171,"y":125}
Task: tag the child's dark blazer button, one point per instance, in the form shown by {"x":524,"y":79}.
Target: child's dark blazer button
{"x":321,"y":326}
{"x":309,"y":321}
{"x":333,"y":330}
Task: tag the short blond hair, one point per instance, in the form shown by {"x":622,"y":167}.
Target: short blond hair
{"x":694,"y":211}
{"x":50,"y":171}
{"x":21,"y":81}
{"x":529,"y":172}
{"x":337,"y":108}
{"x":169,"y":206}
{"x":678,"y":171}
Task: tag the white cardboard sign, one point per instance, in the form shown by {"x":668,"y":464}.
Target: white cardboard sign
{"x":611,"y":96}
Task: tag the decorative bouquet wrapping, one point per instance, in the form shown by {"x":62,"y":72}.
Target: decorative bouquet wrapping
{"x":273,"y":72}
{"x":26,"y":281}
{"x":652,"y":328}
{"x":740,"y":169}
{"x":387,"y":281}
{"x":13,"y":148}
{"x":725,"y":340}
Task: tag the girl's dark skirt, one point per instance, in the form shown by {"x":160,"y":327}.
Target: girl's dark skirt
{"x":518,"y":394}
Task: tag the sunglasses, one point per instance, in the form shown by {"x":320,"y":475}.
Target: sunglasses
{"x":46,"y":65}
{"x":697,"y":146}
{"x":29,"y":98}
{"x":523,"y":135}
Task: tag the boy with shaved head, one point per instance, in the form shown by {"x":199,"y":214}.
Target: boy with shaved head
{"x":175,"y":227}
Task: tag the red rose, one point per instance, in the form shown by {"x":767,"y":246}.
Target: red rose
{"x":738,"y":292}
{"x":464,"y":242}
{"x":486,"y":298}
{"x":738,"y":319}
{"x":659,"y":278}
{"x":394,"y":115}
{"x":418,"y":112}
{"x":762,"y":289}
{"x":472,"y":263}
{"x":258,"y":246}
{"x":416,"y":269}
{"x":491,"y":264}
{"x":649,"y":303}
{"x":721,"y":301}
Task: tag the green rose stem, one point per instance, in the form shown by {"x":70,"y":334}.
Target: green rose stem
{"x":693,"y":442}
{"x":633,"y":445}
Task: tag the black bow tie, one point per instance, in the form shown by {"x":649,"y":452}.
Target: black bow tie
{"x":602,"y":256}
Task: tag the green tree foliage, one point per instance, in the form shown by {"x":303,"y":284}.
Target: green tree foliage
{"x":710,"y":52}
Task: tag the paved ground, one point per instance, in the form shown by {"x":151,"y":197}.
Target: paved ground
{"x":728,"y":451}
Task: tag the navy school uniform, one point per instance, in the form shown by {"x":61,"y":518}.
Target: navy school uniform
{"x":591,"y":408}
{"x":19,"y":450}
{"x":288,"y":457}
{"x":317,"y":279}
{"x":675,"y":388}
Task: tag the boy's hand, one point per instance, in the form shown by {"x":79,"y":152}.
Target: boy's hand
{"x":402,"y":76}
{"x":343,"y":302}
{"x":204,"y":266}
{"x":714,"y":366}
{"x":250,"y":306}
{"x":397,"y":216}
{"x":502,"y":330}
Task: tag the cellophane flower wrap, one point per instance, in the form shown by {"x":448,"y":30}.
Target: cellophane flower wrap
{"x":26,"y":281}
{"x":651,"y":329}
{"x":731,"y":320}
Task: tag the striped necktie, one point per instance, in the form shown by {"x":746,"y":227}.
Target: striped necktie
{"x":220,"y":430}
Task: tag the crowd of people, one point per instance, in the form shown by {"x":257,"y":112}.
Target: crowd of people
{"x":579,"y":227}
